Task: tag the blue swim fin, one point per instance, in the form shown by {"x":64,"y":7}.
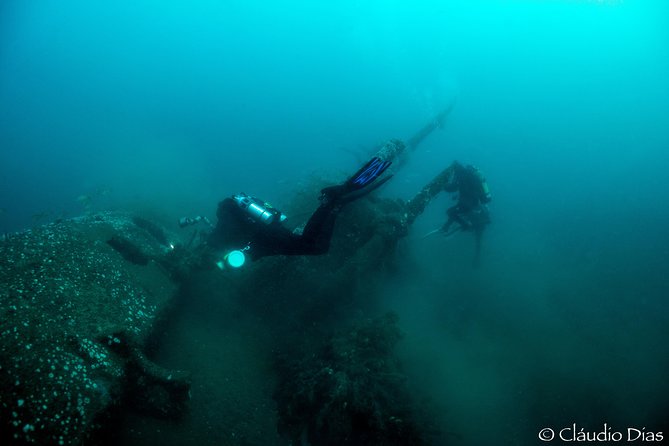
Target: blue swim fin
{"x":368,"y":173}
{"x":359,"y":184}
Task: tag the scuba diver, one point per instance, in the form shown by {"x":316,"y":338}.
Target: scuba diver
{"x":470,"y":212}
{"x":248,"y":227}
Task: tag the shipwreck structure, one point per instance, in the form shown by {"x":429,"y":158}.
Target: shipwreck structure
{"x":81,"y":300}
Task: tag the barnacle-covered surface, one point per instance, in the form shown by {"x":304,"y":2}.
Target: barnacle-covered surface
{"x":351,"y":390}
{"x":76,"y":308}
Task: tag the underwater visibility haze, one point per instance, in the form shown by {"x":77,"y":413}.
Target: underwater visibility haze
{"x":137,"y":113}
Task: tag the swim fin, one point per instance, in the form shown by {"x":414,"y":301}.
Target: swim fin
{"x":449,"y":233}
{"x":359,"y":184}
{"x":432,"y":232}
{"x":368,"y":173}
{"x":445,"y":234}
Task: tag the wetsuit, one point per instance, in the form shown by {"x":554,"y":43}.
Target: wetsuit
{"x":236,"y":229}
{"x":468,"y":183}
{"x":470,"y":212}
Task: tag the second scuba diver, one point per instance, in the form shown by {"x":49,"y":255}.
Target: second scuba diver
{"x":470,"y":213}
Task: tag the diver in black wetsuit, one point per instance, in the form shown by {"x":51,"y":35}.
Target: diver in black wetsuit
{"x":473,"y":195}
{"x":249,"y":227}
{"x":470,"y":212}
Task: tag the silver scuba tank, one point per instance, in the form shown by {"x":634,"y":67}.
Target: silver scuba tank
{"x":257,"y":210}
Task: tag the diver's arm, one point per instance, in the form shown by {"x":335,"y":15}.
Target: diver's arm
{"x":450,"y":176}
{"x":451,"y":187}
{"x":416,"y":205}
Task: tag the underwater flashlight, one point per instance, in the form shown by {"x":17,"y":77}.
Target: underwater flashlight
{"x":234,"y":259}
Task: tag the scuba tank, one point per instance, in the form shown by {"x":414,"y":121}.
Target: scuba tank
{"x":258,"y":210}
{"x":486,"y":191}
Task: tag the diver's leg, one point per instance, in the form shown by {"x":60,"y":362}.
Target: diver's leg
{"x":447,"y":226}
{"x":315,"y":238}
{"x":457,"y":213}
{"x":478,"y":234}
{"x":453,"y":216}
{"x":318,"y":230}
